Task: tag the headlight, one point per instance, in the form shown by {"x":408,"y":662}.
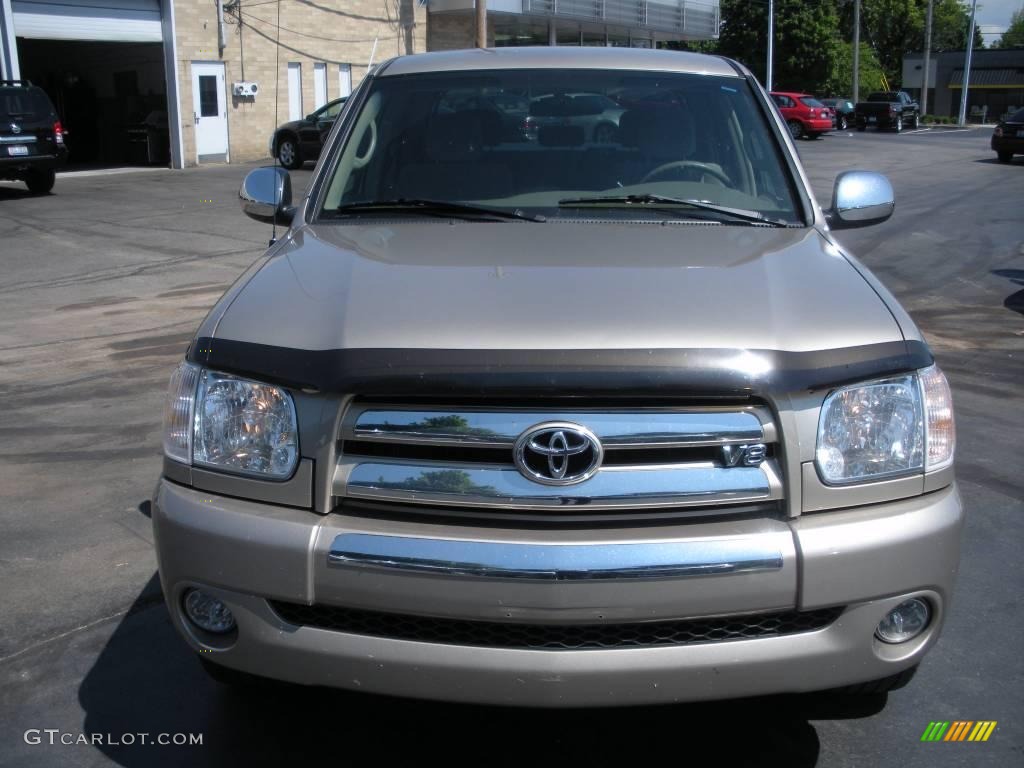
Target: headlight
{"x":886,"y":428}
{"x":230,"y":424}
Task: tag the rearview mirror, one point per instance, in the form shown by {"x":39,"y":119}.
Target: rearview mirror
{"x":266,"y":195}
{"x":860,"y":199}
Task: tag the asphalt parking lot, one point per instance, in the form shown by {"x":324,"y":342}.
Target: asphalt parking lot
{"x":101,"y":287}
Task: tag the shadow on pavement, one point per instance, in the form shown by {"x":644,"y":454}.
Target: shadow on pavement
{"x":12,"y":192}
{"x":1015,"y":301}
{"x":146,"y":680}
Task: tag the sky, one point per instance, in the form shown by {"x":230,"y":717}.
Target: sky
{"x":994,"y":15}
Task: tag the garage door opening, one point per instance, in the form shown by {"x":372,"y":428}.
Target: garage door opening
{"x":111,"y":98}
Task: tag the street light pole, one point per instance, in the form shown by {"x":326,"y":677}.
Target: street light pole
{"x":481,"y":23}
{"x":856,"y":51}
{"x":967,"y":68}
{"x":927,"y":59}
{"x":771,"y":42}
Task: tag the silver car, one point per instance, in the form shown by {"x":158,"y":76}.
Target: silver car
{"x":549,"y":424}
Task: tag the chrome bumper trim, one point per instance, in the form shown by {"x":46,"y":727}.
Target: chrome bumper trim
{"x":616,"y":429}
{"x":475,"y":485}
{"x":555,"y":562}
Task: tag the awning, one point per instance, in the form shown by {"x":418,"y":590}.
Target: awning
{"x":1005,"y":77}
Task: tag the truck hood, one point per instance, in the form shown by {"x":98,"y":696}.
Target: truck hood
{"x":553,"y":286}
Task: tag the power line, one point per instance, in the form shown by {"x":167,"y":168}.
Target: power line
{"x":304,"y":34}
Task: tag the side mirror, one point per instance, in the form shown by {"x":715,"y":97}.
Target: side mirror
{"x":860,"y":199}
{"x":266,"y":195}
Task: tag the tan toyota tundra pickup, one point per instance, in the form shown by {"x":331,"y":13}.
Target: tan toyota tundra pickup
{"x":558,"y":390}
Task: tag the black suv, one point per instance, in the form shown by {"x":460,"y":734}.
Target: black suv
{"x":31,"y":138}
{"x":300,"y":140}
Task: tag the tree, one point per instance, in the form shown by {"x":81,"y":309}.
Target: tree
{"x":1013,"y":37}
{"x":951,"y":21}
{"x":894,"y":28}
{"x":806,"y":44}
{"x":841,"y":80}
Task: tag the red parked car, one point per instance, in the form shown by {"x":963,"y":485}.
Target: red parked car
{"x":804,"y":114}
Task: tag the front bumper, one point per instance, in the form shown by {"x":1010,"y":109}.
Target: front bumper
{"x":867,"y":559}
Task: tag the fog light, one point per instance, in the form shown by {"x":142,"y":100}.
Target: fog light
{"x":904,"y":622}
{"x":208,"y":613}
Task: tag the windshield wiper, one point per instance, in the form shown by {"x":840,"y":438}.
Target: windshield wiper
{"x":664,"y":201}
{"x":437,"y":208}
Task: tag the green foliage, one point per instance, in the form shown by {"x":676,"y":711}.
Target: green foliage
{"x":1013,"y":37}
{"x":895,"y":28}
{"x":840,"y":82}
{"x":812,"y":39}
{"x":806,"y":44}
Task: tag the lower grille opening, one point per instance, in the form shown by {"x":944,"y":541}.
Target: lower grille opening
{"x":494,"y":634}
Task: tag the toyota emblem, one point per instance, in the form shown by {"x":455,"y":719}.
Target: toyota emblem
{"x":558,"y":453}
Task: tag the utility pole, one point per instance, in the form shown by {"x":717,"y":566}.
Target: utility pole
{"x":967,"y":67}
{"x":771,"y":43}
{"x":481,"y":23}
{"x":856,"y":52}
{"x":927,"y":59}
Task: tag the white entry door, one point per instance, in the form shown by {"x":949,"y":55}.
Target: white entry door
{"x":295,"y":91}
{"x":319,"y":85}
{"x":209,"y":106}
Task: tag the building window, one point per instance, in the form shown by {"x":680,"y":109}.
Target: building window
{"x":294,"y":91}
{"x":319,"y":85}
{"x":344,"y":79}
{"x":208,"y":96}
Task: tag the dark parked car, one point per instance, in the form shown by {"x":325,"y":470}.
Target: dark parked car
{"x":1008,"y":137}
{"x":31,"y":137}
{"x":300,"y":140}
{"x":843,"y":111}
{"x":888,"y":109}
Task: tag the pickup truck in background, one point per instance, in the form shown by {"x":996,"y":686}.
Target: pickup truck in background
{"x":888,"y":109}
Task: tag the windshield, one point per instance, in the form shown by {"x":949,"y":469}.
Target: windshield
{"x":24,"y":103}
{"x":807,"y":102}
{"x":525,"y":140}
{"x":882,"y":97}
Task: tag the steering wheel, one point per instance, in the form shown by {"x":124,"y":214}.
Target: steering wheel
{"x":710,"y":170}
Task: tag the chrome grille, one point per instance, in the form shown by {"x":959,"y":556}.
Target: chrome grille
{"x":463,"y":457}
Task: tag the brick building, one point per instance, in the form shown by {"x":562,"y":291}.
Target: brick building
{"x":193,"y":81}
{"x":153,"y":81}
{"x":995,"y":87}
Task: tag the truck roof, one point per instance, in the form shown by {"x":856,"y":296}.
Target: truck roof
{"x":545,"y":57}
